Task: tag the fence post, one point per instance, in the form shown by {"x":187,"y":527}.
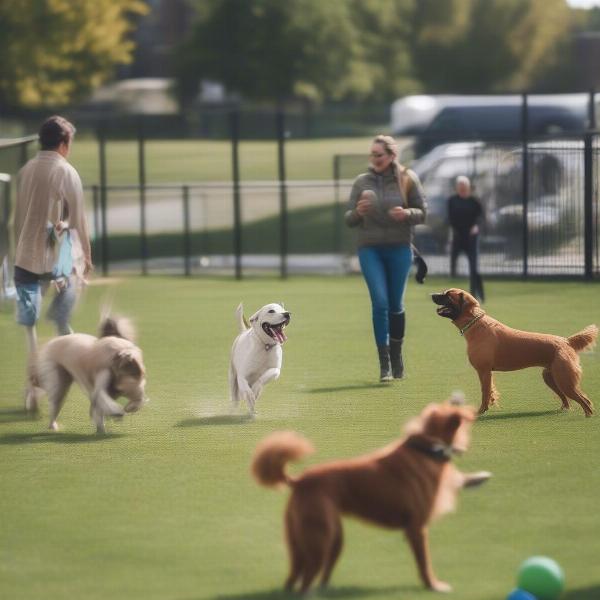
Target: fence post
{"x":102,"y":167}
{"x":336,"y":205}
{"x":23,"y":153}
{"x":234,"y":122}
{"x":525,"y":181}
{"x":588,"y":191}
{"x":283,"y":210}
{"x":5,"y":179}
{"x":187,"y":246}
{"x":96,"y":210}
{"x":142,"y":185}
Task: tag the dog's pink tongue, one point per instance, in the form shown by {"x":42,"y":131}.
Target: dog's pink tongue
{"x":281,"y":337}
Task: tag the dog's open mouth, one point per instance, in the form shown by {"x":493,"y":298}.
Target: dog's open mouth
{"x":445,"y":308}
{"x":276,"y":331}
{"x":445,"y":311}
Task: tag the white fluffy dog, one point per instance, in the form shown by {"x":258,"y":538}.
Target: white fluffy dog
{"x":256,"y":353}
{"x":105,"y":367}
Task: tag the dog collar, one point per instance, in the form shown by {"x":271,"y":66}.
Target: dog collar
{"x":267,"y":347}
{"x":471,"y":323}
{"x":438,"y":452}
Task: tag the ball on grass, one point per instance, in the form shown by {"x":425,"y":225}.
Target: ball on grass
{"x":519,"y":594}
{"x":542,"y":577}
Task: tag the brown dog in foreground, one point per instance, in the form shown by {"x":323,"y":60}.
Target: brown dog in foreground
{"x":492,"y":346}
{"x":402,"y":486}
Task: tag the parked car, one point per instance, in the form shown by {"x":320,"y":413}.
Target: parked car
{"x":495,"y":170}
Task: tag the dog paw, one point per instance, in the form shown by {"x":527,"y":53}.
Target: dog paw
{"x":441,"y":586}
{"x":53,"y":426}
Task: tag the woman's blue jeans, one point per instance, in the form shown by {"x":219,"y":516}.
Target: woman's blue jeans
{"x":385,"y":269}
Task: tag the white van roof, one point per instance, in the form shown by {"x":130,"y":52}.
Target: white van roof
{"x":412,"y":114}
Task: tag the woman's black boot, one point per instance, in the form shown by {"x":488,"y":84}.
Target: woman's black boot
{"x":397,"y":328}
{"x":385,"y":367}
{"x":396,"y":358}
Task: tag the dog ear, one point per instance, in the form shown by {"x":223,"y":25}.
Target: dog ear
{"x":254,"y":317}
{"x":127,"y":364}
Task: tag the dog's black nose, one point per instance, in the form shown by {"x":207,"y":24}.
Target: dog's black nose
{"x":287,"y":315}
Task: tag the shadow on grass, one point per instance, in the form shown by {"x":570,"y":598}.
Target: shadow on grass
{"x":588,"y":593}
{"x":516,"y":415}
{"x":42,"y":437}
{"x":216,"y":420}
{"x":333,"y":592}
{"x":14,"y":415}
{"x":341,"y":388}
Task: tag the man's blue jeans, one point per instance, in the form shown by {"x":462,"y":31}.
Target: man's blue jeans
{"x":385,"y":269}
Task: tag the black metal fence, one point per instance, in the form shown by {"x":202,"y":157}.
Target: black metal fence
{"x":540,"y":198}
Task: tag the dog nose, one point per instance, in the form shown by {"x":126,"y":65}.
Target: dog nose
{"x":287,"y":315}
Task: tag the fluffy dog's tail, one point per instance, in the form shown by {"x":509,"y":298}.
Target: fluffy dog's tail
{"x":272,"y":454}
{"x":118,"y":327}
{"x":241,"y":319}
{"x":584,"y":339}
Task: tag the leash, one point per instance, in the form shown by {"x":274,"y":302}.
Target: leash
{"x":470,"y":324}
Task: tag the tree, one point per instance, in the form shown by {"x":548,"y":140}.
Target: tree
{"x":486,"y":45}
{"x":55,"y":51}
{"x":371,"y":49}
{"x":269,"y":49}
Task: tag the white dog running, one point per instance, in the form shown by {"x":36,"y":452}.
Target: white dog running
{"x":256,"y":353}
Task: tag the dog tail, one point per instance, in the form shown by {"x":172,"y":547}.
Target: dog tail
{"x":584,"y":339}
{"x":117,"y":327}
{"x":272,"y":454}
{"x":241,"y":319}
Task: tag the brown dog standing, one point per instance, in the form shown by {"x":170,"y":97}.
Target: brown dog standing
{"x":402,"y":486}
{"x":492,"y":346}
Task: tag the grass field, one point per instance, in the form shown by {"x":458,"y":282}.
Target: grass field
{"x":169,"y":161}
{"x":163,"y":507}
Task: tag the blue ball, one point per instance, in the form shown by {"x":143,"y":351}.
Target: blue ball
{"x":519,"y":594}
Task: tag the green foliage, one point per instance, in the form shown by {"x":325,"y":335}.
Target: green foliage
{"x":373,"y":49}
{"x":54,"y":51}
{"x":486,"y":45}
{"x":271,"y":49}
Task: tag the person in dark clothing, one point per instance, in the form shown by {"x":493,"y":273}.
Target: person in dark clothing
{"x":465,"y":214}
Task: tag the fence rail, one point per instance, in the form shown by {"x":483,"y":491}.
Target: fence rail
{"x":540,"y":195}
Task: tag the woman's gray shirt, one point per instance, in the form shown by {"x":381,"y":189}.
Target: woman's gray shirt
{"x":377,"y":227}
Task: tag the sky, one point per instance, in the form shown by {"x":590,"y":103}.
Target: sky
{"x":584,"y":3}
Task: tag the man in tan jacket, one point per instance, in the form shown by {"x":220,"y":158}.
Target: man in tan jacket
{"x":49,"y":203}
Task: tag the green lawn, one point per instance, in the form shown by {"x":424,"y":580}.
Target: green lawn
{"x":177,"y":161}
{"x":163,"y":507}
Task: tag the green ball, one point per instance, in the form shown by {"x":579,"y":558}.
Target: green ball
{"x":542,"y":577}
